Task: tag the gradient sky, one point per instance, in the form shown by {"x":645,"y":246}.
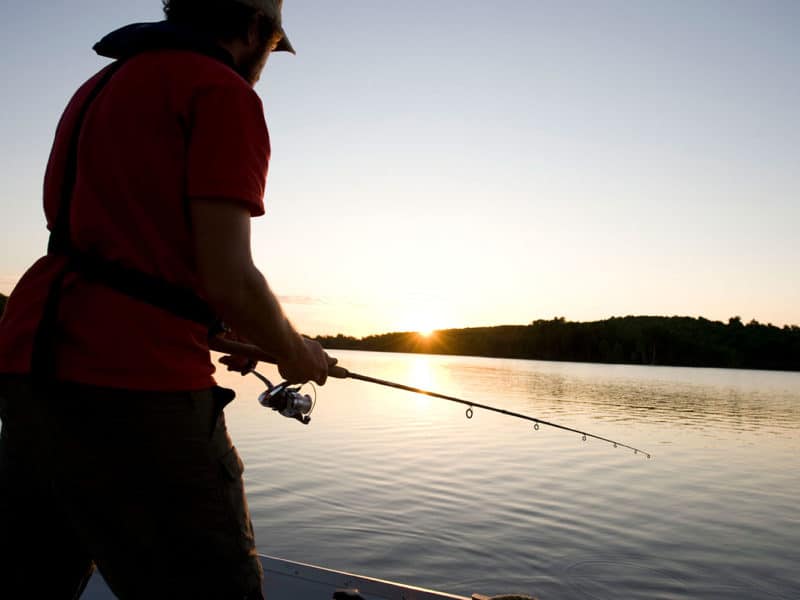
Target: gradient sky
{"x":453,"y":163}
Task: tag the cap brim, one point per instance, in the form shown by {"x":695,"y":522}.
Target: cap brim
{"x":284,"y":45}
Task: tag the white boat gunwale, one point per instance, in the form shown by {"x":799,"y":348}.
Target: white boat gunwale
{"x":290,"y":580}
{"x":369,"y":587}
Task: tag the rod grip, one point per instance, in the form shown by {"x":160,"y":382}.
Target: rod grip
{"x":221,"y":344}
{"x":338,"y":372}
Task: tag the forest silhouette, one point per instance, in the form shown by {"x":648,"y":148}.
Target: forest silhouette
{"x":644,"y":340}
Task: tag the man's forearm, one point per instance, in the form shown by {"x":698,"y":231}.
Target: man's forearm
{"x":240,"y":294}
{"x":252,"y":309}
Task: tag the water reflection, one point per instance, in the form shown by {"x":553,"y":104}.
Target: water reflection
{"x":698,"y":398}
{"x":421,"y":373}
{"x":403,"y":487}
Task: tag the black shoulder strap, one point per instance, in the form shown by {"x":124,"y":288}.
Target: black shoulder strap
{"x":60,"y":238}
{"x":144,"y":287}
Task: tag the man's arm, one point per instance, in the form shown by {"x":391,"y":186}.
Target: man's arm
{"x":239,"y":292}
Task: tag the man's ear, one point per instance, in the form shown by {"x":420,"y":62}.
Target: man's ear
{"x":254,"y":30}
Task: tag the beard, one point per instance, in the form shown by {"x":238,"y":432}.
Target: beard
{"x":251,"y":66}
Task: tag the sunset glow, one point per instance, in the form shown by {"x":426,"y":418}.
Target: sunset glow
{"x":421,"y":319}
{"x":576,"y":180}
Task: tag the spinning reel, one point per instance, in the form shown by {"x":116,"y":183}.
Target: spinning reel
{"x":286,"y":399}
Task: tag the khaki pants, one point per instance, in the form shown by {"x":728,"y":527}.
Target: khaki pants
{"x":145,"y":485}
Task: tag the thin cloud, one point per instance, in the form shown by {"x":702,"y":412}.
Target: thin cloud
{"x":304,"y":300}
{"x":328,"y":301}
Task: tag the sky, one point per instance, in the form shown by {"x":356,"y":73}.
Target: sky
{"x":460,"y":163}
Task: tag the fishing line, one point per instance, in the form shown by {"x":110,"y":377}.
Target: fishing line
{"x":290,"y":402}
{"x":342,"y":373}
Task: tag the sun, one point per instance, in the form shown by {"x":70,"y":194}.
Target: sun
{"x":425,"y":327}
{"x":423,"y":324}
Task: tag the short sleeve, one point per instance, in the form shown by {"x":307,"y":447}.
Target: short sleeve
{"x":228,"y":146}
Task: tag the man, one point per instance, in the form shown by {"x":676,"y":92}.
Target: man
{"x":114,"y":449}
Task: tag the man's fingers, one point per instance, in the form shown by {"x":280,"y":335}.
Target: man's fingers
{"x":311,"y":364}
{"x":242,"y":364}
{"x":324,"y":362}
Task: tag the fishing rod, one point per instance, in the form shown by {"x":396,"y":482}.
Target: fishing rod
{"x":342,"y":373}
{"x":290,"y":402}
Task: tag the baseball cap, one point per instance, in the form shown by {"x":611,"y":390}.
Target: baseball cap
{"x":272,"y":9}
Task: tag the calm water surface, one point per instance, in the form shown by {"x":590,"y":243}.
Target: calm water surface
{"x":404,"y":487}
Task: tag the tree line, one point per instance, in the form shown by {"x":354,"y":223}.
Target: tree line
{"x":644,"y":340}
{"x":674,"y":341}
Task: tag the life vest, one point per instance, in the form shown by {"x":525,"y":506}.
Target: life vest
{"x":177,"y":300}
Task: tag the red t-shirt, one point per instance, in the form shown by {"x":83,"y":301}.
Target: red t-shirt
{"x":171,"y":125}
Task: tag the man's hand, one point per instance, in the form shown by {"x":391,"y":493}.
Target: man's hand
{"x":241,"y":364}
{"x":309,"y":362}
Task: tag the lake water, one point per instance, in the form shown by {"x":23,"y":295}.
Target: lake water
{"x":403,"y":487}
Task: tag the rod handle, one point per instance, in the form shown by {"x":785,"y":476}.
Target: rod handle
{"x":338,"y":372}
{"x":249,"y":350}
{"x":226,"y":346}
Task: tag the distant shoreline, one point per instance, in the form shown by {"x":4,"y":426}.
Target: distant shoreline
{"x":632,"y":340}
{"x":565,"y":361}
